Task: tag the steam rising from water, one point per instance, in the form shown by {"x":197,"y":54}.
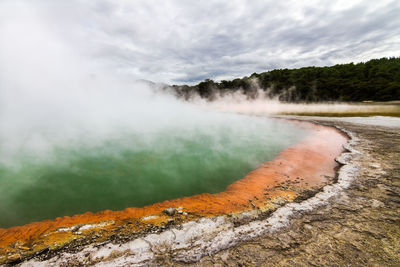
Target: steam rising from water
{"x":266,"y":106}
{"x":76,"y":136}
{"x":257,"y":101}
{"x":51,"y":94}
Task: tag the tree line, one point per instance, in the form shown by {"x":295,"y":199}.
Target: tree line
{"x":375,"y":80}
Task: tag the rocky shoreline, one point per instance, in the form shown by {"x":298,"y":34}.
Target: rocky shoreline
{"x":353,"y":222}
{"x":360,"y":226}
{"x":289,"y":177}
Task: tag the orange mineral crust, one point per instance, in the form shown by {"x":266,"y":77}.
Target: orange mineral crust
{"x":305,"y":166}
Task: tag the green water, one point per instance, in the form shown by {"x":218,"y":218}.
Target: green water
{"x":134,"y":170}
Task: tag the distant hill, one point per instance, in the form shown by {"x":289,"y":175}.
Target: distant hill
{"x":377,"y":80}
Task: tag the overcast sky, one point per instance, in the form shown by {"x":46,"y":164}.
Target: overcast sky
{"x":187,"y":41}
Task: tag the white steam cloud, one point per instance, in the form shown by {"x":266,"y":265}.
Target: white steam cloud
{"x":53,"y":94}
{"x":238,"y":103}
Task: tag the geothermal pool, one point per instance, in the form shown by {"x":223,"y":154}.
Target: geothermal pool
{"x":134,"y":169}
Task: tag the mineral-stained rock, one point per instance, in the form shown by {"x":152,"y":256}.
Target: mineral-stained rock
{"x":170,"y":211}
{"x":13,"y":257}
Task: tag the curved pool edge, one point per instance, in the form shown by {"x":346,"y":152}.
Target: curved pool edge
{"x":264,"y":190}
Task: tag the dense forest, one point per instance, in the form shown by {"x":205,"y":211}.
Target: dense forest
{"x":377,"y":80}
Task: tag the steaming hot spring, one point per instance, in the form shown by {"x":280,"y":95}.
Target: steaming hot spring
{"x":81,"y":144}
{"x":83,"y":159}
{"x":105,"y":150}
{"x":47,"y":173}
{"x":117,"y":159}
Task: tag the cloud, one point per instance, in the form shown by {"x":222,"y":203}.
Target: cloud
{"x":187,"y":41}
